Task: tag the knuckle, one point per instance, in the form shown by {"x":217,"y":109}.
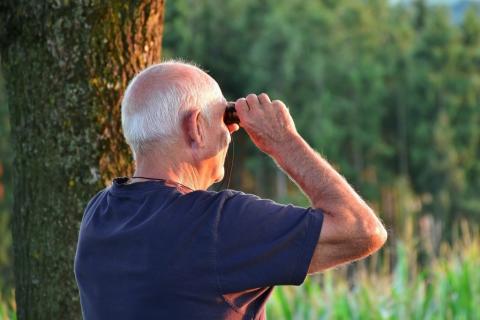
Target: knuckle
{"x":277,"y":103}
{"x":240,"y":104}
{"x":263,"y":95}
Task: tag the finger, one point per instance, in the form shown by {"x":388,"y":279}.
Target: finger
{"x":241,"y":107}
{"x":252,"y":101}
{"x":264,"y":99}
{"x":278,"y":104}
{"x":233,"y":127}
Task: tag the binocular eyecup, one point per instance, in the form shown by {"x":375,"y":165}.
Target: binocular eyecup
{"x":230,"y":115}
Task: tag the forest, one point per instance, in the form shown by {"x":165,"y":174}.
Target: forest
{"x":389,"y":94}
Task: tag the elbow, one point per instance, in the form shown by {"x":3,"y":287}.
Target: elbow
{"x":378,"y":238}
{"x":368,"y":244}
{"x":372,"y":233}
{"x":375,"y":236}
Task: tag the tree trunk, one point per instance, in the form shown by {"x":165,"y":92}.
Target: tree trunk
{"x":66,"y":64}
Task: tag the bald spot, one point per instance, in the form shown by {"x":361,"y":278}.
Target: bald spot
{"x":162,"y":77}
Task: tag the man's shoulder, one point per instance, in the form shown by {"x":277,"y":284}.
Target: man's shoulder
{"x":227,"y":198}
{"x":94,"y":201}
{"x":95,"y":198}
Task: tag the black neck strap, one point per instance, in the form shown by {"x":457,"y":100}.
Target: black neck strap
{"x":164,"y":180}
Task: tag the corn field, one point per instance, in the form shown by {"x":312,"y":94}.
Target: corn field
{"x":418,"y":285}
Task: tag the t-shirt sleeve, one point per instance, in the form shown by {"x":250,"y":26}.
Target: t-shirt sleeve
{"x":261,"y":243}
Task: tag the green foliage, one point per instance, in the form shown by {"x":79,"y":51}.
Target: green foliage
{"x":386,"y":93}
{"x":390,"y":95}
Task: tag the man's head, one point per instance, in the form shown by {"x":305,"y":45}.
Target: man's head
{"x":173,"y":111}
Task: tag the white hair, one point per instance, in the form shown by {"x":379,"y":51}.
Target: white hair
{"x":157,"y":99}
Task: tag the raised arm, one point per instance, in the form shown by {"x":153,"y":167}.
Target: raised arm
{"x":350,"y":230}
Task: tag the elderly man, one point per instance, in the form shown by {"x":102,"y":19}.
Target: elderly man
{"x":160,"y":246}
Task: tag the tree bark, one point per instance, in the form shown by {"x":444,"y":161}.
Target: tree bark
{"x":66,"y":66}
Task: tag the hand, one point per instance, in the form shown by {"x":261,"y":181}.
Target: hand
{"x":268,"y":123}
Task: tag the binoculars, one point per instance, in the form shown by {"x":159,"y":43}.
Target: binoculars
{"x":230,"y":115}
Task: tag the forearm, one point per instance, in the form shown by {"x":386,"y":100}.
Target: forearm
{"x":325,"y":187}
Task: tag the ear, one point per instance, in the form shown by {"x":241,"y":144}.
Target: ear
{"x":193,"y":128}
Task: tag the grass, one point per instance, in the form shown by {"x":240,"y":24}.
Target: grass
{"x":446,"y":286}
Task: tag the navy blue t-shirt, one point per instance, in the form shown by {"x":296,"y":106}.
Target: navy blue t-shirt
{"x":148,"y":250}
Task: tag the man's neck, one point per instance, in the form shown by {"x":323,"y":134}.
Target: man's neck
{"x":180,"y":172}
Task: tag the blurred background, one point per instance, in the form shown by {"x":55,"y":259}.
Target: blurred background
{"x":389,"y":93}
